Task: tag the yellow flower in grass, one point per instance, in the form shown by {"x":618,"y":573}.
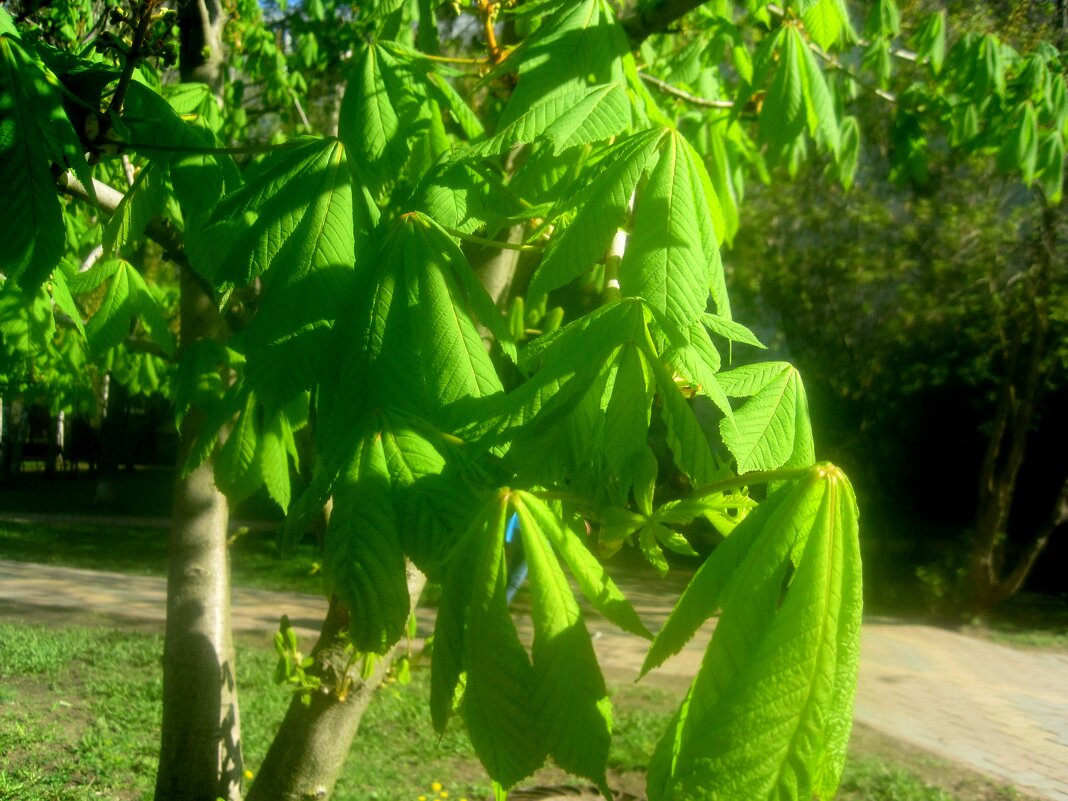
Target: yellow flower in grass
{"x":436,"y":787}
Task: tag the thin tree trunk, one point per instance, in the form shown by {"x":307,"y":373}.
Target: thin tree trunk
{"x":987,"y":583}
{"x":200,"y":751}
{"x":309,"y":749}
{"x":200,"y":748}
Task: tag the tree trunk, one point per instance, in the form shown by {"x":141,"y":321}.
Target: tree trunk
{"x":988,"y":582}
{"x":113,"y":418}
{"x":200,"y":751}
{"x":309,"y":749}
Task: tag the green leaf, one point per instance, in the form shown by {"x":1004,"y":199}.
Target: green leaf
{"x":432,"y":502}
{"x":446,"y":335}
{"x":783,"y":114}
{"x":819,"y":106}
{"x":731,"y":330}
{"x":128,"y":298}
{"x":237,"y":470}
{"x":110,"y":324}
{"x":564,"y":120}
{"x":581,"y":45}
{"x":1020,"y":150}
{"x":62,"y":297}
{"x":196,"y":100}
{"x":274,"y":460}
{"x":143,"y":201}
{"x":991,"y":66}
{"x":31,"y":225}
{"x":198,"y":380}
{"x":672,"y":252}
{"x":363,"y":561}
{"x":626,"y":434}
{"x":929,"y":40}
{"x":703,"y":595}
{"x":569,"y":690}
{"x":824,"y":21}
{"x":697,"y":361}
{"x":1051,"y":162}
{"x":771,"y":429}
{"x":199,"y":179}
{"x":592,"y":579}
{"x":295,"y":213}
{"x":562,"y":365}
{"x":457,"y":106}
{"x":450,"y":648}
{"x":883,"y":20}
{"x":220,"y":411}
{"x":380,"y":117}
{"x":769,"y":712}
{"x":601,"y":209}
{"x":291,"y":225}
{"x":503,"y":727}
{"x":849,"y":153}
{"x":685,"y":437}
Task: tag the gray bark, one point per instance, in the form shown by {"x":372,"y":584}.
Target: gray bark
{"x":200,"y":750}
{"x":200,"y":746}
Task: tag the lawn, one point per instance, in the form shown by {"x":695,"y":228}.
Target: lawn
{"x":254,"y":556}
{"x":80,"y":706}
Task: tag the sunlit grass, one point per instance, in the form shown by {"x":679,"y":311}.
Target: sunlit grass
{"x":80,"y":710}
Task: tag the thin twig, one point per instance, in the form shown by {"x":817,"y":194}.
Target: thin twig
{"x":889,"y":97}
{"x":91,"y":259}
{"x":896,"y":52}
{"x":300,"y":111}
{"x":682,"y":94}
{"x":132,"y":57}
{"x":239,"y":150}
{"x":128,"y":169}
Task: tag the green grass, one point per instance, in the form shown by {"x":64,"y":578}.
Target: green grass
{"x":872,"y":778}
{"x":255,"y":559}
{"x":80,"y":707}
{"x":1030,"y":621}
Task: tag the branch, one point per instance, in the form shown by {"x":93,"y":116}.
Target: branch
{"x":159,"y":230}
{"x":833,"y":61}
{"x":1057,"y":518}
{"x":682,"y":94}
{"x":896,"y":52}
{"x":654,"y":16}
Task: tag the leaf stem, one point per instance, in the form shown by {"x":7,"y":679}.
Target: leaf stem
{"x":454,"y":59}
{"x":489,"y":10}
{"x":760,"y":477}
{"x":211,"y":151}
{"x":490,"y":243}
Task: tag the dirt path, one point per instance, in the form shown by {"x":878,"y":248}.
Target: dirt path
{"x":1000,"y":711}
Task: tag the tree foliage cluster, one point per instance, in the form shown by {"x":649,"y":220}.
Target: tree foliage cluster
{"x":940,"y":287}
{"x":491,"y":290}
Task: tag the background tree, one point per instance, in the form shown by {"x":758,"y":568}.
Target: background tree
{"x":936,"y":318}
